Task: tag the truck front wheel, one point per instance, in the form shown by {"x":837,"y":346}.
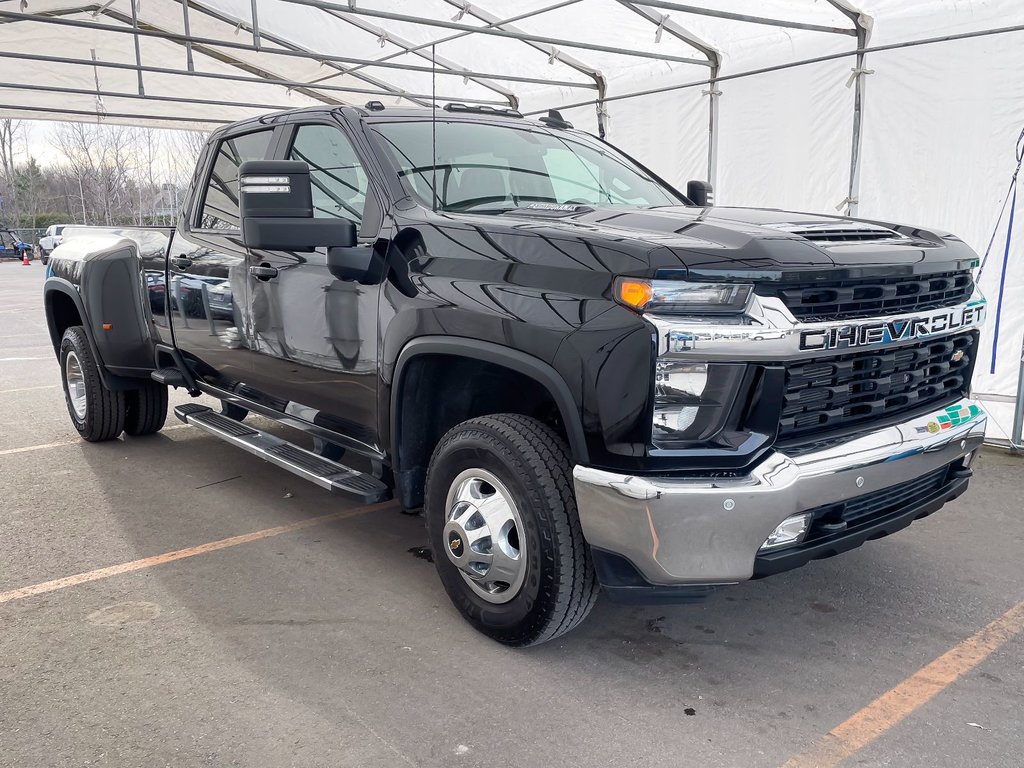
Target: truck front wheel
{"x":97,"y":412}
{"x":502,"y":522}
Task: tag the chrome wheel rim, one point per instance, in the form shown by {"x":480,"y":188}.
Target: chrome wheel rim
{"x":484,"y":537}
{"x":75,"y":380}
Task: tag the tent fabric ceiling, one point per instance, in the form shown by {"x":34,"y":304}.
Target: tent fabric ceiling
{"x":935,"y":147}
{"x":574,"y":46}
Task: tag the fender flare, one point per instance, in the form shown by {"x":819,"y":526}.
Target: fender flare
{"x":60,"y":285}
{"x":489,"y":352}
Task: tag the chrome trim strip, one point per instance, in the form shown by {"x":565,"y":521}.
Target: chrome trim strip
{"x":768,"y":331}
{"x":708,"y":530}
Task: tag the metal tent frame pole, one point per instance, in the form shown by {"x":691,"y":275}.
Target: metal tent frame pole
{"x":290,"y":84}
{"x":550,"y":51}
{"x":514,"y":35}
{"x":862,"y":23}
{"x":292,"y":53}
{"x":714,"y":61}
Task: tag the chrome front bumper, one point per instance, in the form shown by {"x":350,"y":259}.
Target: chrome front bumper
{"x":678,"y":531}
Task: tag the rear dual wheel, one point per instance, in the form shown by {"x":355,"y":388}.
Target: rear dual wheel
{"x":99,"y":413}
{"x":502,"y":522}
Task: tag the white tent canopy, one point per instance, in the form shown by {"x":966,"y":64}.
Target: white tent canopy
{"x":769,"y":99}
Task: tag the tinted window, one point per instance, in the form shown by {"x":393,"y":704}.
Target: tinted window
{"x":486,"y":168}
{"x":338,"y":179}
{"x":220,"y":205}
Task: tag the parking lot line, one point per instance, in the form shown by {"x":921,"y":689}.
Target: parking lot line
{"x":181,"y":554}
{"x":77,"y":441}
{"x":28,"y":389}
{"x":892,"y":707}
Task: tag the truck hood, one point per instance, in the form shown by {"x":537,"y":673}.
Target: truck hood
{"x":718,"y":242}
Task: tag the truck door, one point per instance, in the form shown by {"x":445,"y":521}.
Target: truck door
{"x":206,"y":273}
{"x":316,"y":336}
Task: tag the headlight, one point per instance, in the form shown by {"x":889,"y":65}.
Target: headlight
{"x":692,"y":401}
{"x":681,"y":297}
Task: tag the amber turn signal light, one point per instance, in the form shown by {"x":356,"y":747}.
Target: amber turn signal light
{"x":635,"y":293}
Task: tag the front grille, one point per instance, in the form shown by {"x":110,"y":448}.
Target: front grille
{"x":844,"y":391}
{"x":831,"y":519}
{"x":870,"y":297}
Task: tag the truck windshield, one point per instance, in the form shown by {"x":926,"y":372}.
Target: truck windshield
{"x":488,"y":168}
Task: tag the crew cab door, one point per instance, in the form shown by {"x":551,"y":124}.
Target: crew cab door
{"x":207,"y":283}
{"x":316,"y":336}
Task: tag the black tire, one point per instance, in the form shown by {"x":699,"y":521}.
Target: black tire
{"x":145,"y":409}
{"x":531,"y":460}
{"x":103,"y":418}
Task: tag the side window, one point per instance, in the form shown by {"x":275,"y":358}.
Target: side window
{"x":220,"y":204}
{"x":338,"y":179}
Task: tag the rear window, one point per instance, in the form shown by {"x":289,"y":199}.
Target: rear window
{"x":220,"y":203}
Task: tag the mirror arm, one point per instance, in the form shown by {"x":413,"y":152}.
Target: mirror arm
{"x":361,"y":263}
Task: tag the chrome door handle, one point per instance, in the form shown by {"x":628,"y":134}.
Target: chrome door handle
{"x":181,"y":262}
{"x":263,"y":272}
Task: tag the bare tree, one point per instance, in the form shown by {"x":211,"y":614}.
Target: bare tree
{"x":10,"y":131}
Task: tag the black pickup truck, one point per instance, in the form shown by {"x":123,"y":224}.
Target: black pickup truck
{"x":585,"y":378}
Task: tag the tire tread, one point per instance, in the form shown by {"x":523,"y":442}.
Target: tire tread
{"x":146,"y":409}
{"x":105,"y":412}
{"x":547,"y":458}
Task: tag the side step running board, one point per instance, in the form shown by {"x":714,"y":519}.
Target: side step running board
{"x":172,"y":377}
{"x":306,"y":464}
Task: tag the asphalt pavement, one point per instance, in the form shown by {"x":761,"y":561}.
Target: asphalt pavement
{"x":126,"y":641}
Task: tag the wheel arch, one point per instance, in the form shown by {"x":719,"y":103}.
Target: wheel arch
{"x":64,"y":308}
{"x":412,"y":440}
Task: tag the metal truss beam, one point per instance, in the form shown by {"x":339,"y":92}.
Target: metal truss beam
{"x":291,"y":84}
{"x":59,"y":111}
{"x":409,"y":47}
{"x":550,"y":51}
{"x":714,"y":58}
{"x":556,"y":41}
{"x":681,"y":8}
{"x":307,"y":55}
{"x":449,"y":38}
{"x":287,"y":44}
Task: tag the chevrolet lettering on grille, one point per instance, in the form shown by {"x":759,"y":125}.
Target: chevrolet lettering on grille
{"x":891,"y":331}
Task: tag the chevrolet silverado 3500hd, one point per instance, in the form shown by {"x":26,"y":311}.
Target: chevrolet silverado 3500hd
{"x":585,"y":378}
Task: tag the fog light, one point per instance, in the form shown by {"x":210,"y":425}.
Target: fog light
{"x":790,"y":531}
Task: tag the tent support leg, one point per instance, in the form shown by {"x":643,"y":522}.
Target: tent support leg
{"x":138,"y":51}
{"x":860,"y":73}
{"x":188,"y":37}
{"x":1016,"y":441}
{"x":713,"y":94}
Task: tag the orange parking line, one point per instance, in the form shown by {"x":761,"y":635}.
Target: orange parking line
{"x":180,"y":554}
{"x":892,"y":707}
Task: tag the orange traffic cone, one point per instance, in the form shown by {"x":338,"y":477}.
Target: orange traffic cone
{"x":24,"y":259}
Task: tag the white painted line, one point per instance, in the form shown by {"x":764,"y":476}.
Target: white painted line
{"x":79,"y":441}
{"x":29,"y":389}
{"x":16,"y":359}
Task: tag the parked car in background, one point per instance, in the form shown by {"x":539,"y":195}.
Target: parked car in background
{"x":53,"y":237}
{"x":12,"y":246}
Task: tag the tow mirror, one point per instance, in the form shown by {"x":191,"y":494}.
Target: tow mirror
{"x":276,"y":206}
{"x":700,"y":193}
